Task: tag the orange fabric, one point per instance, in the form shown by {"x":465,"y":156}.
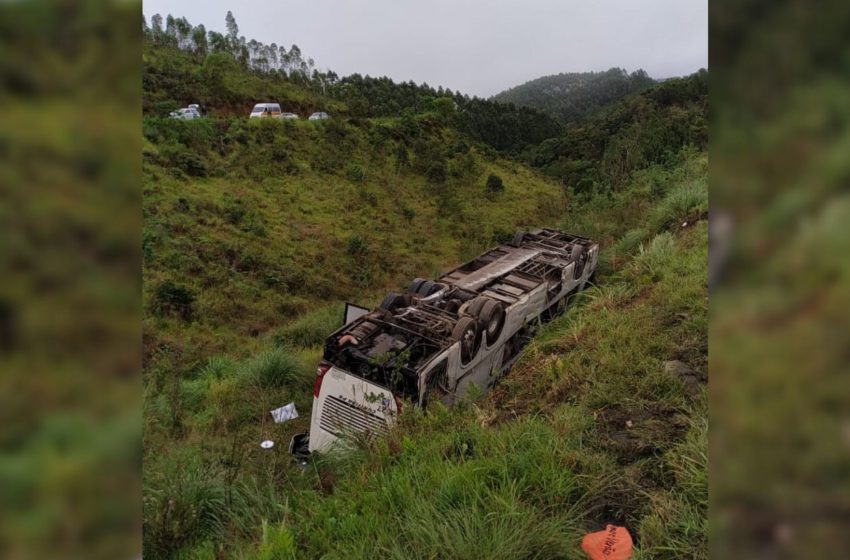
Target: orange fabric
{"x":614,"y":543}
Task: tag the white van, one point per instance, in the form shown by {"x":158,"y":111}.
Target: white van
{"x":261,"y":110}
{"x":442,"y":337}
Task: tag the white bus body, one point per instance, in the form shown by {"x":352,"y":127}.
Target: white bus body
{"x":442,"y":337}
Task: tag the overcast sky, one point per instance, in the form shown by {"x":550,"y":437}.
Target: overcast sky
{"x":479,"y":47}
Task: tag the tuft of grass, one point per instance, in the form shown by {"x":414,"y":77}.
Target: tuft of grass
{"x":275,"y":368}
{"x":311,"y":329}
{"x":686,"y":202}
{"x":630,"y":240}
{"x":654,"y":258}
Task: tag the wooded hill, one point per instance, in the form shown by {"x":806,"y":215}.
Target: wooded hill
{"x":575,"y":95}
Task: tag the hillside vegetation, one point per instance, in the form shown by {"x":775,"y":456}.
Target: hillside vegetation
{"x":257,"y":232}
{"x":577,"y":95}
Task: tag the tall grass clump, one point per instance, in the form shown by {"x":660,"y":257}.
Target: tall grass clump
{"x":183,"y":505}
{"x":312,"y":328}
{"x":630,"y":240}
{"x":686,"y":202}
{"x":655,"y":257}
{"x":275,"y":368}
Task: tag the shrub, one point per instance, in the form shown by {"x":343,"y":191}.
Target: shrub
{"x":179,"y":157}
{"x":354,"y":173}
{"x":172,"y":299}
{"x":436,"y":173}
{"x":495,"y":184}
{"x":357,"y":246}
{"x":408,"y":213}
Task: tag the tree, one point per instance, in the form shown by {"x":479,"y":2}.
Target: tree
{"x":199,"y":38}
{"x":217,"y":42}
{"x":156,"y":27}
{"x":232,"y":31}
{"x":184,"y":32}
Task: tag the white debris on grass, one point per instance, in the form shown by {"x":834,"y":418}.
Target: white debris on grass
{"x":267,"y":444}
{"x":284,"y":413}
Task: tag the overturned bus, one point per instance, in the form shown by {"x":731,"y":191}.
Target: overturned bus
{"x":441,"y":337}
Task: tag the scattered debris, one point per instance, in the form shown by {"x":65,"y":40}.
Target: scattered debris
{"x":614,"y":543}
{"x":267,"y":444}
{"x":284,"y":413}
{"x":629,"y":423}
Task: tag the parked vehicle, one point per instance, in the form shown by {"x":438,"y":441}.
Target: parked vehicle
{"x":262,"y":110}
{"x":440,"y":338}
{"x":320,"y":116}
{"x":187,"y":113}
{"x":289,"y":116}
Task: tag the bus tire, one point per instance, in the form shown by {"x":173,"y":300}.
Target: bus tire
{"x":393,"y":302}
{"x":466,"y":333}
{"x":492,"y":319}
{"x":414,"y":286}
{"x":476,"y":305}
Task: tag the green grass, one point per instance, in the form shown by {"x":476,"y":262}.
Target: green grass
{"x":522,"y":473}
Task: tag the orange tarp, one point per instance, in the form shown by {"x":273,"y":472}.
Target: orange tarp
{"x":614,"y":543}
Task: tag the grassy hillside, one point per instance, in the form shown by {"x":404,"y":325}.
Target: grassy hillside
{"x":250,"y":224}
{"x":257,"y":232}
{"x":576,"y":95}
{"x":258,"y":251}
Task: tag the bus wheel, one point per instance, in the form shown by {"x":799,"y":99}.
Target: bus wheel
{"x":466,"y":332}
{"x":415,"y":285}
{"x":476,"y":305}
{"x":492,"y":316}
{"x":393,"y":302}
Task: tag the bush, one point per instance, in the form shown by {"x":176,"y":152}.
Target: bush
{"x":172,"y":299}
{"x":495,"y":184}
{"x":354,"y":173}
{"x":357,"y":246}
{"x":178,"y":156}
{"x":436,"y":173}
{"x":408,"y":213}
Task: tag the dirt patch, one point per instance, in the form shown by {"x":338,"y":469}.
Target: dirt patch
{"x":692,"y":379}
{"x":633,"y":434}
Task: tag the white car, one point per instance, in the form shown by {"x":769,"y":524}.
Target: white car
{"x":289,"y":116}
{"x":319,"y":116}
{"x":186,"y":114}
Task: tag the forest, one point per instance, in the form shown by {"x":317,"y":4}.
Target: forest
{"x":576,"y":95}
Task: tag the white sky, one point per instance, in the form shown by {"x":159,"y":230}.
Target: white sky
{"x":479,"y":47}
